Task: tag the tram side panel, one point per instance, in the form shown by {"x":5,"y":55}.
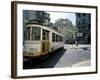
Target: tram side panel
{"x":56,"y":44}
{"x":32,"y":48}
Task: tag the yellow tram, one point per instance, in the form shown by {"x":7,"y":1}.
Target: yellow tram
{"x":40,"y":40}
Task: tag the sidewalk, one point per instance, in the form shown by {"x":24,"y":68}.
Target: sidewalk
{"x":82,"y":64}
{"x":79,"y":46}
{"x":75,"y":57}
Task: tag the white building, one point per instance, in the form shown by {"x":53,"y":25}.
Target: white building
{"x":65,"y":27}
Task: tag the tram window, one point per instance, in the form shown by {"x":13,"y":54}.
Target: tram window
{"x":36,"y":33}
{"x":61,"y":39}
{"x":27,"y":33}
{"x":45,"y":35}
{"x":53,"y":37}
{"x":58,"y":38}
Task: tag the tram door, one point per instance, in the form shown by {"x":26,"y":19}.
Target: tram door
{"x":45,"y":41}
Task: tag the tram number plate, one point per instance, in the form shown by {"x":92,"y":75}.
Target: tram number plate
{"x":33,"y":49}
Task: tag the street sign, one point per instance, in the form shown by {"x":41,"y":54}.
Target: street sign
{"x":79,"y":34}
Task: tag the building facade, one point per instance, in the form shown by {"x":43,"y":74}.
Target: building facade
{"x":83,"y":26}
{"x":40,"y":17}
{"x":65,"y":27}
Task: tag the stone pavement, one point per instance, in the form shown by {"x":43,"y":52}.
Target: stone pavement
{"x":75,"y":56}
{"x":79,"y":46}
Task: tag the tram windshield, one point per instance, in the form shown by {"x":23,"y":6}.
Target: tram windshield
{"x":32,"y":33}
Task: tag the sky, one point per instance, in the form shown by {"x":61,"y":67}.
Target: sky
{"x":56,"y":15}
